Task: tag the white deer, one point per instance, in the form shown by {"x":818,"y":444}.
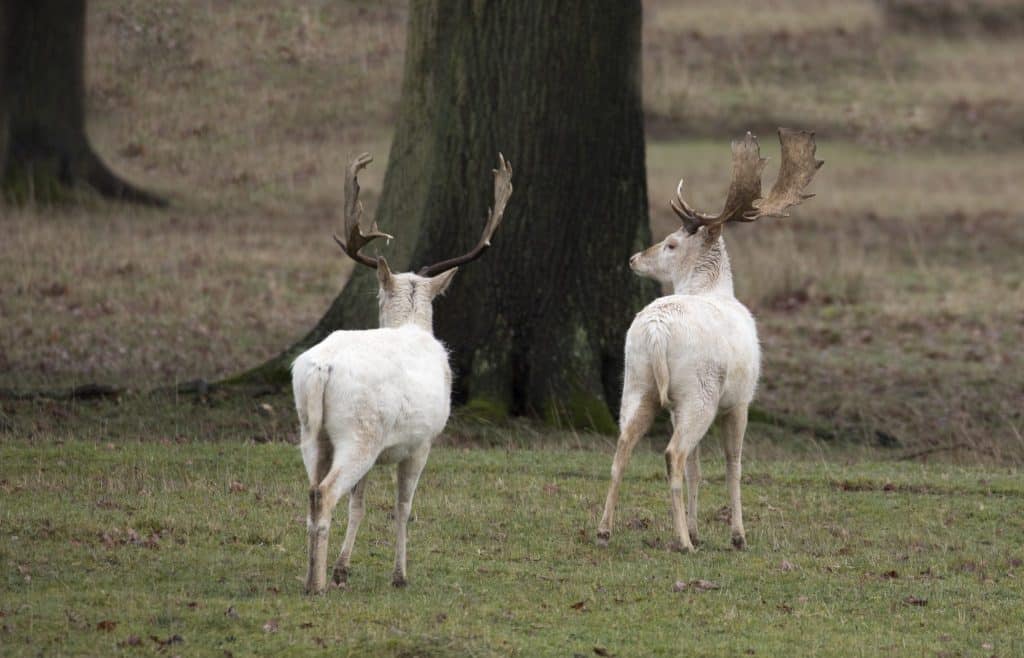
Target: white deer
{"x":378,"y":396}
{"x":696,"y":351}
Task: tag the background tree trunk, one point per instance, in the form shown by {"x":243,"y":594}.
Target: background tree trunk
{"x":537,"y":325}
{"x":43,"y":145}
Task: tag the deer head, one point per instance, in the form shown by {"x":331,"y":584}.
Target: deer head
{"x":406,"y":297}
{"x":696,"y":251}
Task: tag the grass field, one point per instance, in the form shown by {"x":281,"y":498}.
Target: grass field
{"x":198,"y":549}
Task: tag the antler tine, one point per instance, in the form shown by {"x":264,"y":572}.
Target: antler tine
{"x":357,"y":231}
{"x":690,"y":218}
{"x":502,"y":192}
{"x":795,"y":173}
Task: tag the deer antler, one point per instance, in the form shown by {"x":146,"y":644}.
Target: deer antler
{"x":502,"y":192}
{"x":744,"y":202}
{"x":358,"y":233}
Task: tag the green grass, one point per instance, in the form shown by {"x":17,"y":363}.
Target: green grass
{"x":157,"y":539}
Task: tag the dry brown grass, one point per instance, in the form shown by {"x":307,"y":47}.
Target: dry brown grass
{"x":894,"y":301}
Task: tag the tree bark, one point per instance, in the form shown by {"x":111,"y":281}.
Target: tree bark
{"x":537,"y":325}
{"x":43,"y":145}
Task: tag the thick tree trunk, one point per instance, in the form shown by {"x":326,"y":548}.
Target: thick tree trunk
{"x":43,"y":145}
{"x":537,"y":325}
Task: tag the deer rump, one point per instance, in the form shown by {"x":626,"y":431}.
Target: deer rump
{"x":390,"y":388}
{"x":694,"y":345}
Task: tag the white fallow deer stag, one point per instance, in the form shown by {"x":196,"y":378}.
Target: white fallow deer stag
{"x":696,"y":351}
{"x":378,"y":396}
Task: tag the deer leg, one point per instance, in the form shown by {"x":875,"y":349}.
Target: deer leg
{"x":356,"y":509}
{"x":692,"y":485}
{"x":348,"y":467}
{"x":409,"y":471}
{"x":691,"y":423}
{"x":637,"y":414}
{"x":734,"y":426}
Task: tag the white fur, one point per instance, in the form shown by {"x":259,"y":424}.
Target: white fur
{"x":696,"y":352}
{"x":369,"y":397}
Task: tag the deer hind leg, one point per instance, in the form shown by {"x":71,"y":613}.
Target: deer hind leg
{"x":347,"y":468}
{"x":734,"y":426}
{"x":692,"y":485}
{"x":356,"y":510}
{"x":636,"y":415}
{"x":409,"y":470}
{"x":692,"y":420}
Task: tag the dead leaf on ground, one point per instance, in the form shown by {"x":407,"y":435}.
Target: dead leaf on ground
{"x":236,"y":487}
{"x":106,"y":625}
{"x":601,"y":651}
{"x":891,"y":574}
{"x":699,"y":584}
{"x":579,"y":605}
{"x":270,"y":626}
{"x":787,"y":566}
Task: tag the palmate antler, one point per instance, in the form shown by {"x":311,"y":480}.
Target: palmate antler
{"x":358,"y":233}
{"x":744,"y":202}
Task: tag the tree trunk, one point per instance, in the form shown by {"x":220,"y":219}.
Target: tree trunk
{"x":43,"y":145}
{"x":537,"y":325}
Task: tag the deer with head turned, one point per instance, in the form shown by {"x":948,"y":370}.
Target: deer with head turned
{"x":696,"y":351}
{"x":378,"y":396}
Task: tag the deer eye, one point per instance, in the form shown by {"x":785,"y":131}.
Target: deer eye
{"x":670,"y":246}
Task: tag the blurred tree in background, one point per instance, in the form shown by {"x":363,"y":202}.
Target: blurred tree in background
{"x":43,"y":145}
{"x":537,"y":325}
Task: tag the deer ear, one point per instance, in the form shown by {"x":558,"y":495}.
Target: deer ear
{"x":440,"y":283}
{"x":383,"y":273}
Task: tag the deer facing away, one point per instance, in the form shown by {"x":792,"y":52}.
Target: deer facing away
{"x":378,"y":396}
{"x":696,"y":351}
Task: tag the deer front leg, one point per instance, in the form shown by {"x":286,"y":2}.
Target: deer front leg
{"x":356,"y":510}
{"x":637,"y":415}
{"x":734,"y":426}
{"x":409,"y":471}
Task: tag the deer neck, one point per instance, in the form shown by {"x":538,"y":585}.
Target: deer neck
{"x":710,"y":275}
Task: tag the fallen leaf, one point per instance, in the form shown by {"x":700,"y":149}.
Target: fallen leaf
{"x":106,"y":625}
{"x":699,"y":584}
{"x":270,"y":626}
{"x":638,"y":523}
{"x":579,"y":605}
{"x":601,"y":651}
{"x":913,"y":600}
{"x":786,"y":566}
{"x":236,"y":486}
{"x":174,"y":639}
{"x":704,"y":585}
{"x":891,"y":574}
